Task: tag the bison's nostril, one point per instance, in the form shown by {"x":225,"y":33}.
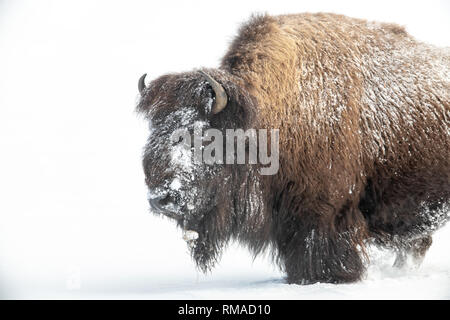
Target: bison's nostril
{"x":158,"y":202}
{"x":165,"y":205}
{"x":165,"y":200}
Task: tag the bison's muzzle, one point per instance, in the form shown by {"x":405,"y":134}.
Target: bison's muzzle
{"x":166,"y":206}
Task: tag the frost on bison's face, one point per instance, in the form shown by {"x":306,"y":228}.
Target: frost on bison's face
{"x":196,"y":195}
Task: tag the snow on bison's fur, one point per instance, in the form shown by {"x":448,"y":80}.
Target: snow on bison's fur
{"x":363,"y":115}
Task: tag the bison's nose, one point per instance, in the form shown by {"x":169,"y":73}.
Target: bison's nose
{"x":155,"y":203}
{"x":165,"y":205}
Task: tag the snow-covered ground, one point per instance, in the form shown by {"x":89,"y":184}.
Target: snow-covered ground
{"x":74,"y":220}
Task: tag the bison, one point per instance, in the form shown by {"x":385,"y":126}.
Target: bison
{"x":363,"y":114}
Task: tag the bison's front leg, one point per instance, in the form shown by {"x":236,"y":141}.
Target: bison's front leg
{"x":320,"y":255}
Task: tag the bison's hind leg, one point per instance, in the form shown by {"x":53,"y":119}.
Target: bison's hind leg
{"x":416,"y":248}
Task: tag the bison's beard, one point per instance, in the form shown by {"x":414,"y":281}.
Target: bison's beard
{"x":213,"y":235}
{"x":205,"y":254}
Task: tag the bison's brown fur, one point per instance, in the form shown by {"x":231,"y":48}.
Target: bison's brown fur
{"x":364,"y":116}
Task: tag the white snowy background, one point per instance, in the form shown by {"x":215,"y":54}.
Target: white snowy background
{"x":74,"y":220}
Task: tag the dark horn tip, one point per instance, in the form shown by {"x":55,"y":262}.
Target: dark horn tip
{"x":141,"y":83}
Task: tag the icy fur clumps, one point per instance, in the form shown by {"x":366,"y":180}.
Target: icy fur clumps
{"x":190,"y":237}
{"x":182,"y":163}
{"x":391,"y":94}
{"x":435,"y":218}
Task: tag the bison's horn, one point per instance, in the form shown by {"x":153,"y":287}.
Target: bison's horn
{"x":141,"y":83}
{"x":221,"y":95}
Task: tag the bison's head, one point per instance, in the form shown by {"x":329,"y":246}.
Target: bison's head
{"x":199,"y":196}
